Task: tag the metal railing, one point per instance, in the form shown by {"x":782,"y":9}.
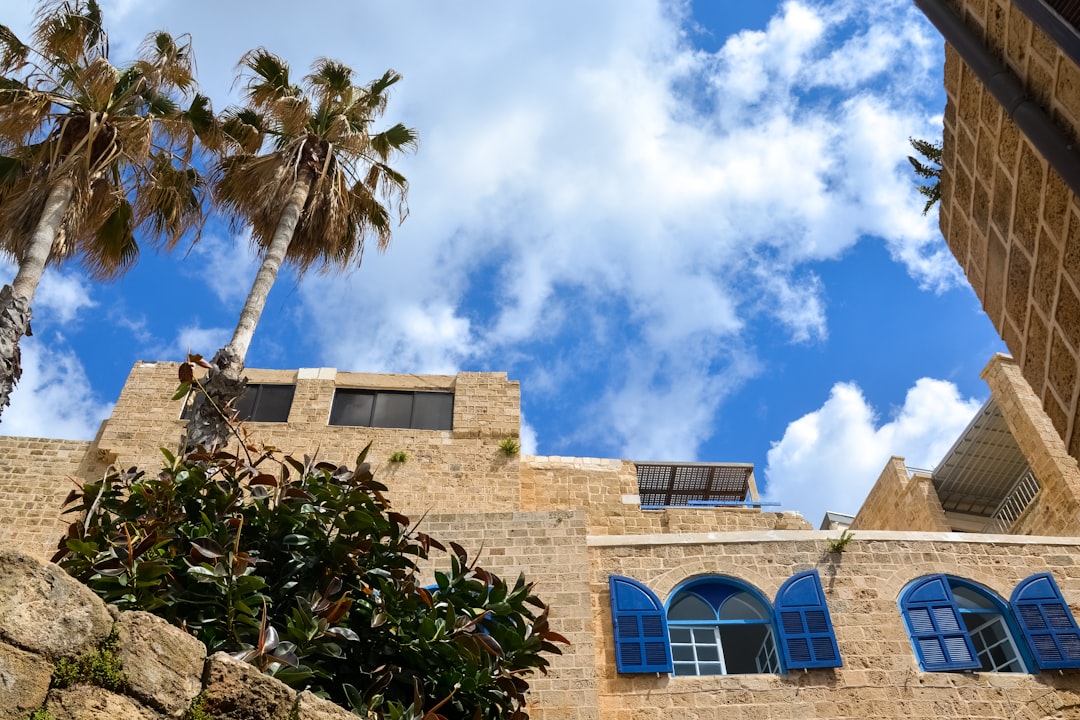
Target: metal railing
{"x":1015,"y":503}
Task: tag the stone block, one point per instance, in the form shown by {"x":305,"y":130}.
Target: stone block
{"x":1001,"y":208}
{"x":1018,"y":284}
{"x":24,"y":682}
{"x":163,"y":663}
{"x":85,"y":702}
{"x":46,"y":611}
{"x":235,"y":690}
{"x":311,"y":707}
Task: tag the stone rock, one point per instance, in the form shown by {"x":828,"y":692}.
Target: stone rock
{"x":238,"y":691}
{"x":163,"y":664}
{"x":46,"y":611}
{"x":24,"y":682}
{"x":311,"y":707}
{"x":86,"y":702}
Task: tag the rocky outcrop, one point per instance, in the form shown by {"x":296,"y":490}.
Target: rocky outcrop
{"x":47,"y":616}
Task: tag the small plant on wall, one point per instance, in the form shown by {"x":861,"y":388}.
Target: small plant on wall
{"x":510,"y":446}
{"x":838,"y":545}
{"x":398,"y":457}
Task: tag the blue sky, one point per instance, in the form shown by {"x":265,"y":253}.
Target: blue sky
{"x":688,"y":229}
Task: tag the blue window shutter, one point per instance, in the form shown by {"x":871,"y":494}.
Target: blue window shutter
{"x":641,"y":634}
{"x":1047,"y":622}
{"x":806,"y":631}
{"x":937,"y":632}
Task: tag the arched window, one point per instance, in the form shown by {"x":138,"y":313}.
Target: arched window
{"x":720,"y":626}
{"x":956,"y":624}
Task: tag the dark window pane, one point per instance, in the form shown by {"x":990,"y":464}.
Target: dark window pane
{"x":433,"y":411}
{"x":245,"y":404}
{"x":392,"y":410}
{"x":352,"y":407}
{"x":273,"y":403}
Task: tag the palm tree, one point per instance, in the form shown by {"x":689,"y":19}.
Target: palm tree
{"x":89,"y":153}
{"x":932,"y":171}
{"x":307,"y":174}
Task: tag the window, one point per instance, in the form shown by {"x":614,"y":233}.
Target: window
{"x":956,"y":624}
{"x":721,"y":626}
{"x":718,"y":627}
{"x":260,"y":403}
{"x":391,"y":409}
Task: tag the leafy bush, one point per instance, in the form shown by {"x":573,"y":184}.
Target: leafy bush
{"x":100,"y":667}
{"x":303,"y":569}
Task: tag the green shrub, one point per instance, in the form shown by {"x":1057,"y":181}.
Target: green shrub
{"x":510,"y":446}
{"x":398,"y":456}
{"x":303,"y":569}
{"x":41,"y":714}
{"x":100,"y":667}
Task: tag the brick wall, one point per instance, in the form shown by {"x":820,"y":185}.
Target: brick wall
{"x":37,"y":475}
{"x":549,"y":547}
{"x":445,"y":470}
{"x":880,"y":678}
{"x":607,"y":490}
{"x":1010,"y":220}
{"x":901,"y":502}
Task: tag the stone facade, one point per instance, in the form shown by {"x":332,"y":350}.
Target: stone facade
{"x":1009,"y":218}
{"x":568,"y":524}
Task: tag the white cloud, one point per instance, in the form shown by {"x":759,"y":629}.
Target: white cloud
{"x":59,"y":296}
{"x":197,"y":339}
{"x":228,"y":264}
{"x":54,"y":398}
{"x":601,"y":186}
{"x":829,"y":458}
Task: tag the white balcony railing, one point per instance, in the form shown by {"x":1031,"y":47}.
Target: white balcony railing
{"x":1015,"y":503}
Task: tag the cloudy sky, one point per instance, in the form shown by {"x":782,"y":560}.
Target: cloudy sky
{"x":688,"y":228}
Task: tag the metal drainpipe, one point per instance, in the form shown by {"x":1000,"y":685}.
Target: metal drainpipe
{"x":1051,"y":142}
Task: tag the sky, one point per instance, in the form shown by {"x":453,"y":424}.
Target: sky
{"x":689,"y":229}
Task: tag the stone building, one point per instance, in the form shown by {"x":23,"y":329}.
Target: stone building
{"x":1011,"y":180}
{"x":681,"y":594}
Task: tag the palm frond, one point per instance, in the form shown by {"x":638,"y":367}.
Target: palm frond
{"x":268,"y":78}
{"x":170,"y":201}
{"x":376,"y":94}
{"x":13,"y":51}
{"x":169,"y":62}
{"x":394,"y":139}
{"x":330,"y":81}
{"x":244,"y":127}
{"x":114,"y":248}
{"x":933,"y":153}
{"x":67,"y":31}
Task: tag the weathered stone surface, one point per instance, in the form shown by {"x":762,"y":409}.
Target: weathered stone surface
{"x":310,"y":707}
{"x":238,"y":691}
{"x":85,"y":702}
{"x":163,"y":663}
{"x":24,"y":682}
{"x":44,"y":610}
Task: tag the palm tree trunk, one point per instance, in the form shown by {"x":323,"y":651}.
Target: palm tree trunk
{"x":15,"y":298}
{"x":225,"y":382}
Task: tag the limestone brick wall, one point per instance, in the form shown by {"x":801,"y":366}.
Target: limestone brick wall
{"x":549,"y":547}
{"x":444,"y":470}
{"x":1056,"y":508}
{"x":35,"y":476}
{"x":607,"y":490}
{"x":901,"y":502}
{"x":1009,"y":218}
{"x":880,"y":678}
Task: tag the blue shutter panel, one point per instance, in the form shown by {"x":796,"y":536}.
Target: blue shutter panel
{"x":806,"y":631}
{"x":641,"y":635}
{"x":937,"y":632}
{"x":1047,"y":622}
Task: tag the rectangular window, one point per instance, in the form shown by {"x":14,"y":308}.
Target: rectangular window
{"x":393,"y":409}
{"x":259,"y":403}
